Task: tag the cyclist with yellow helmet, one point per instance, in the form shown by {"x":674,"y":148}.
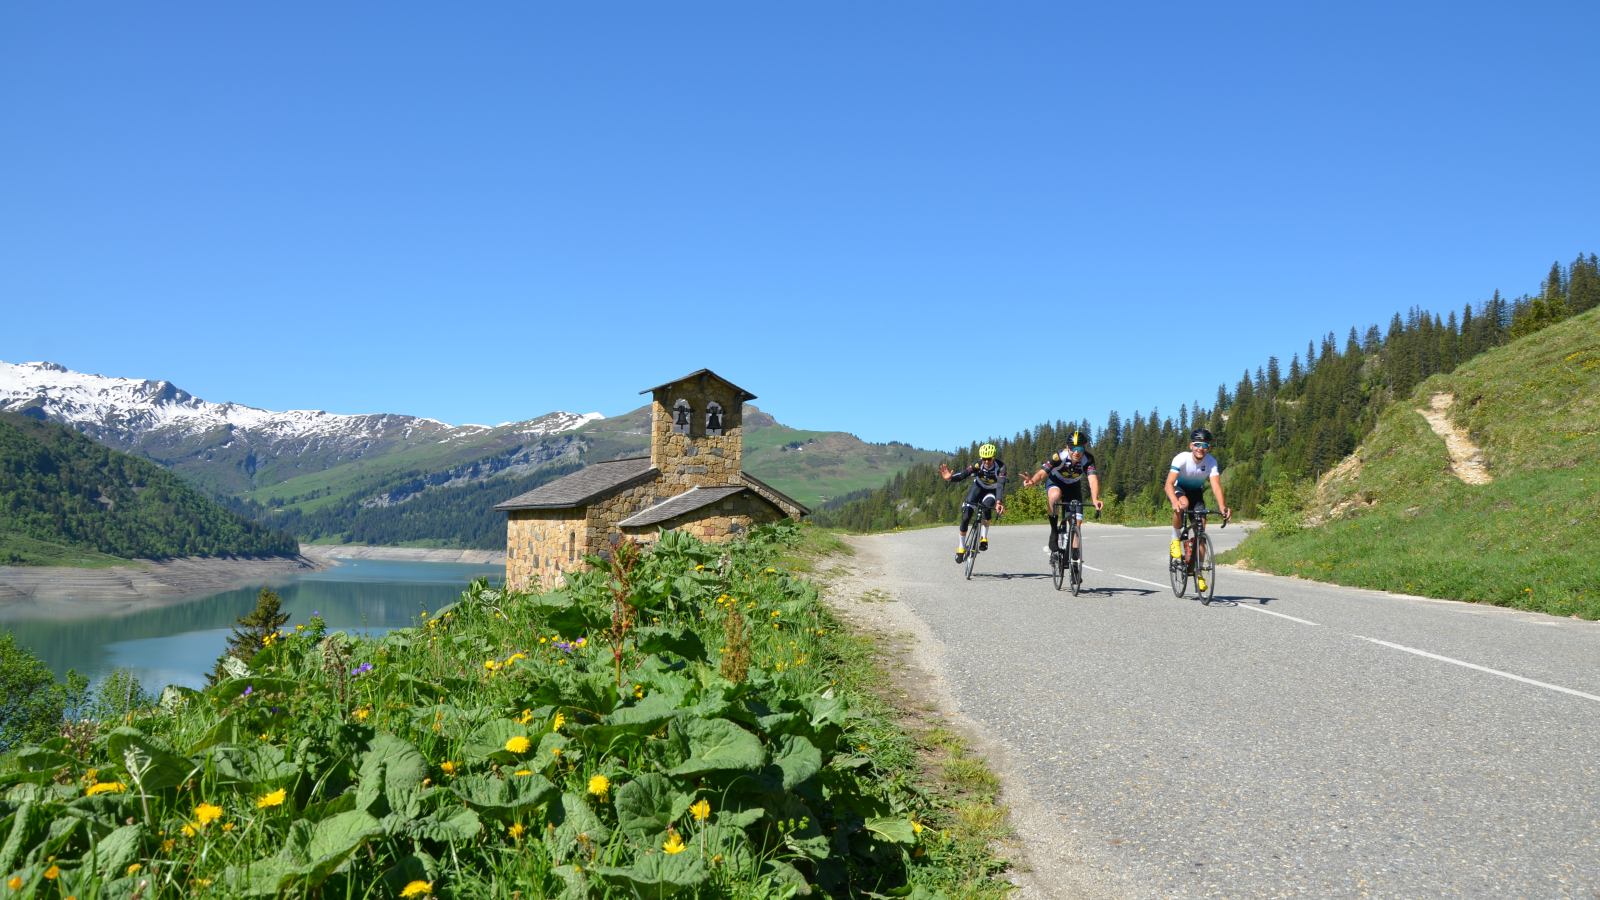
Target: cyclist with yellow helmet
{"x":988,"y":476}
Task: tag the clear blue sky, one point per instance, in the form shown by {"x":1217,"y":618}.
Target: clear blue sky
{"x":481,"y":213}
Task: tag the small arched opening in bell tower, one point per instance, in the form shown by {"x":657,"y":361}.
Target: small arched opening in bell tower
{"x":714,"y":418}
{"x":680,"y":417}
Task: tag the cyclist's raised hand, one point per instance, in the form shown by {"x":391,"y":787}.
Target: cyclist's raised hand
{"x":944,"y":471}
{"x":1099,"y":504}
{"x":999,"y":509}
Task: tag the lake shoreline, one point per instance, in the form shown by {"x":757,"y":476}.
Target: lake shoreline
{"x":331,"y":552}
{"x":29,"y":592}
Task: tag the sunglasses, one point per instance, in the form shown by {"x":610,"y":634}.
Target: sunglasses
{"x":1200,"y":445}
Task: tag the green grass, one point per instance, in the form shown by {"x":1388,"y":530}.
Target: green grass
{"x":826,"y":463}
{"x":1526,"y":540}
{"x":21,"y":550}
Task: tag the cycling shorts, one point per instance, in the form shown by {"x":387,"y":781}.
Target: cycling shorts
{"x":1196,"y":498}
{"x":1069,"y":492}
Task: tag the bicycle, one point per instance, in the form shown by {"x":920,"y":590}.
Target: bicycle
{"x":1198,"y":560}
{"x":974,"y":534}
{"x":1065,"y":565}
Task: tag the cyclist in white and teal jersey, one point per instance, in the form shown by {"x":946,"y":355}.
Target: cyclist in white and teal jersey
{"x":1186,"y":483}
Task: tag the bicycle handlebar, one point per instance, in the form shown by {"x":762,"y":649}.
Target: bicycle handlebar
{"x":1200,"y":512}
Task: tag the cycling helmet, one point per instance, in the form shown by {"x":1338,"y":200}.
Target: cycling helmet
{"x":986,"y":451}
{"x":1079,"y":439}
{"x":1200,"y":436}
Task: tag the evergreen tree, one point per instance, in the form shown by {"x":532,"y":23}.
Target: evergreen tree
{"x":251,"y":632}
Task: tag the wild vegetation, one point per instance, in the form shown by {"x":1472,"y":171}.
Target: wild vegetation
{"x":679,"y":721}
{"x":61,"y":492}
{"x":1395,"y":518}
{"x":1281,"y":424}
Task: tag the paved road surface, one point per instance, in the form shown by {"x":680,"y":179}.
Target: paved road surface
{"x":1293,"y":740}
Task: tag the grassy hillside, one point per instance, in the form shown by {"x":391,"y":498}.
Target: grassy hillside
{"x":1393,"y":517}
{"x":816,"y":466}
{"x":67,"y":500}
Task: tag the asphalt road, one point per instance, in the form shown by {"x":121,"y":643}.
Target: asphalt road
{"x":1289,"y":740}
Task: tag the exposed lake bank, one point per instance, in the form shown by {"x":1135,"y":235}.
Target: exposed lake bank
{"x":63,"y":592}
{"x":403,"y":554}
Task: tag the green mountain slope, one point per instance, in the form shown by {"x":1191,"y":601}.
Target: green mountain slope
{"x":1394,"y":517}
{"x":65,"y":499}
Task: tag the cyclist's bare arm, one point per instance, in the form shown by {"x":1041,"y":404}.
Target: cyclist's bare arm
{"x":1216,"y":488}
{"x":1094,"y":491}
{"x":1172,"y":490}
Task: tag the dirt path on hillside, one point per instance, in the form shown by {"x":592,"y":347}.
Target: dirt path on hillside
{"x":1466,"y":459}
{"x":1047,"y":863}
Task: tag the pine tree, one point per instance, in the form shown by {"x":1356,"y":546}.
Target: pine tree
{"x":251,"y":632}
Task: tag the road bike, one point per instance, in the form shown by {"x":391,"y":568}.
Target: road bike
{"x":1066,"y":565}
{"x":974,"y":534}
{"x":1198,"y":560}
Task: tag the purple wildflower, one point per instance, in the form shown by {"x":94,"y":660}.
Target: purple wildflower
{"x":248,"y":688}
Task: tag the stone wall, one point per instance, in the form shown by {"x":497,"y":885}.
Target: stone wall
{"x":542,"y":545}
{"x":722,"y":521}
{"x":604,"y":514}
{"x":777,"y":499}
{"x":697,"y":458}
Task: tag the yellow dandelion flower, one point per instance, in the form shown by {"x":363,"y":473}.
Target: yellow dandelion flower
{"x":701,"y":811}
{"x":227,"y":826}
{"x":674,"y":843}
{"x":206,"y":813}
{"x":448,"y":767}
{"x":489,"y":664}
{"x":522,"y":772}
{"x":51,"y":873}
{"x":916,"y":827}
{"x":417,"y":889}
{"x":167,"y":845}
{"x":560,"y":720}
{"x":134,"y":869}
{"x":15,"y":883}
{"x":275,"y":798}
{"x":555,"y":751}
{"x":516,"y":831}
{"x":91,"y":775}
{"x":106,"y":787}
{"x":599,"y":786}
{"x":518,"y":744}
{"x":527,"y":716}
{"x":188,"y":831}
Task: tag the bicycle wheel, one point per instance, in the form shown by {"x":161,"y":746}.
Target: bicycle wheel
{"x":1179,"y":570}
{"x":1076,"y":558}
{"x":972,"y":545}
{"x":1205,"y":570}
{"x":1058,"y":567}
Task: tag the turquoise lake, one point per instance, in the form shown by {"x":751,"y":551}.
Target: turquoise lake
{"x":178,"y":643}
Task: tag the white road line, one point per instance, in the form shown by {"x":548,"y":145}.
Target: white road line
{"x":1279,"y":615}
{"x":1129,"y":577}
{"x":1457,"y":662}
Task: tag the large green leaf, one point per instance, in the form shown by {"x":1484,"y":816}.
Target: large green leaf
{"x":685,"y":644}
{"x":112,"y":854}
{"x":657,"y":875}
{"x":892,"y":828}
{"x":149,"y":762}
{"x":259,"y":765}
{"x":489,"y":741}
{"x":456,"y":823}
{"x":781,"y":874}
{"x":404,"y":766}
{"x":647,"y":805}
{"x":234,"y":688}
{"x":716,"y":744}
{"x":28,"y":825}
{"x":38,"y":759}
{"x":796,"y":758}
{"x":502,"y":798}
{"x":334,"y":838}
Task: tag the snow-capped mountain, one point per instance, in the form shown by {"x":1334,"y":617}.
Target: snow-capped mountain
{"x":233,"y":449}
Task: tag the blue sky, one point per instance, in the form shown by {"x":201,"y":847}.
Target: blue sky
{"x":484,"y":214}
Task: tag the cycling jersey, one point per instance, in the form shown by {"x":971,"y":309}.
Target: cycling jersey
{"x":1193,"y":476}
{"x":1063,"y":471}
{"x":989,"y":477}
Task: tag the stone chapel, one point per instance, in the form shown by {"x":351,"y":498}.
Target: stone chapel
{"x":693,"y":480}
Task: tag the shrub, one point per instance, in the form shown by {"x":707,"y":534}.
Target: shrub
{"x":1284,"y":512}
{"x":32,"y":702}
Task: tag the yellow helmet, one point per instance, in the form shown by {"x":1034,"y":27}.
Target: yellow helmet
{"x":986,"y":451}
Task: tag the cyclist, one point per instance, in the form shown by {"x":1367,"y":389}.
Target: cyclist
{"x":988,"y":486}
{"x":1186,"y":483}
{"x":1066,"y":471}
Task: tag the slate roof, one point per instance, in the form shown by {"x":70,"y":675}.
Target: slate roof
{"x":688,"y":501}
{"x":704,"y":372}
{"x":584,"y":485}
{"x":773,"y":493}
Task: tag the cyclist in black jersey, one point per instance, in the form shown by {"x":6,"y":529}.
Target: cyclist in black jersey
{"x":1066,"y":471}
{"x":988,"y":486}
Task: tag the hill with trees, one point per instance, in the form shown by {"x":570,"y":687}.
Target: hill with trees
{"x":1274,"y":427}
{"x":63,"y":497}
{"x":1511,"y":527}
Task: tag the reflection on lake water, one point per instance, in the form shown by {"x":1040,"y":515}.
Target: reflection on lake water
{"x":179,"y":643}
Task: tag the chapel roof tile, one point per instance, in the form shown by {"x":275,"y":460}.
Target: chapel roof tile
{"x":581,"y":486}
{"x":744,"y":394}
{"x":688,"y":501}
